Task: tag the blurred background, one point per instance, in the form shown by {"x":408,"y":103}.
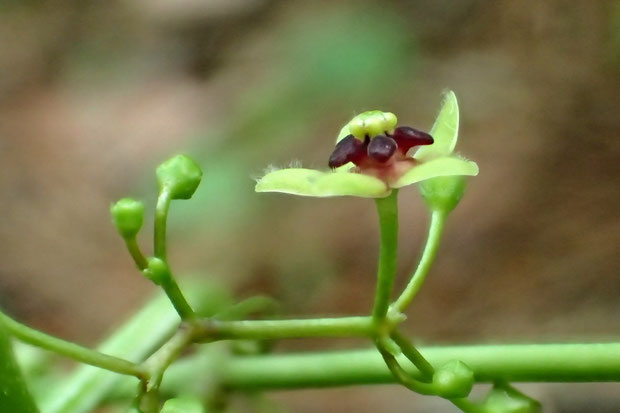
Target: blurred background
{"x":93,"y":95}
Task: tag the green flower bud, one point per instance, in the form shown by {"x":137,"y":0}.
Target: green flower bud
{"x":156,"y":270}
{"x":183,"y":405}
{"x":510,"y":400}
{"x":127,"y":216}
{"x":454,"y":379}
{"x":180,"y":175}
{"x":443,"y":193}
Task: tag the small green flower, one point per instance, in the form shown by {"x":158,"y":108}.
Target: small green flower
{"x":372,"y":156}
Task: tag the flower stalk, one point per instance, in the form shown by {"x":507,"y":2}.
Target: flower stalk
{"x":387,"y":209}
{"x":436,"y":227}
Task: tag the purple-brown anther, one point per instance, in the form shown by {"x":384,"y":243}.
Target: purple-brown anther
{"x":407,"y":137}
{"x":381,"y":148}
{"x":350,"y":149}
{"x":380,"y":154}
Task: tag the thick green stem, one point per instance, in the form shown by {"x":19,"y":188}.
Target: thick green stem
{"x":71,"y":350}
{"x":388,"y":252}
{"x":467,"y":406}
{"x":438,"y":219}
{"x":211,"y":330}
{"x":161,"y":218}
{"x":136,"y":253}
{"x":511,"y":362}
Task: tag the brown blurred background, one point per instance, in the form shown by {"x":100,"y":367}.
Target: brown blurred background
{"x":93,"y":95}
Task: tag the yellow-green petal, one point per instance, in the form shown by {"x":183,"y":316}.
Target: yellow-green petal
{"x":344,"y":132}
{"x":310,"y":182}
{"x":445,"y":131}
{"x":448,"y":165}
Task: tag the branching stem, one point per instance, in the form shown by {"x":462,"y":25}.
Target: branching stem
{"x":71,"y":350}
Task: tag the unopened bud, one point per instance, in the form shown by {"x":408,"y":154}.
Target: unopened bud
{"x":180,"y":176}
{"x":443,"y":193}
{"x":454,"y":379}
{"x":127,"y":215}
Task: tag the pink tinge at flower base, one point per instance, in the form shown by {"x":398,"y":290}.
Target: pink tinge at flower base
{"x":373,"y":156}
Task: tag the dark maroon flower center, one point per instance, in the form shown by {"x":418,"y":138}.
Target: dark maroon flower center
{"x":378,"y":151}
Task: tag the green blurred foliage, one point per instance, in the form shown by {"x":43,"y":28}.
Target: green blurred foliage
{"x":14,"y":395}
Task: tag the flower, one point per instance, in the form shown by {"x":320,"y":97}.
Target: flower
{"x":372,"y":156}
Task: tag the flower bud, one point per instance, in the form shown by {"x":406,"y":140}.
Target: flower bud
{"x":443,"y":193}
{"x":156,"y":270}
{"x":127,"y":216}
{"x":509,"y":401}
{"x":180,"y":176}
{"x":454,"y":379}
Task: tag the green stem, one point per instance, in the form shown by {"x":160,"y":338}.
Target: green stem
{"x":170,"y":286}
{"x":511,"y":362}
{"x":467,"y":405}
{"x":157,"y":364}
{"x":438,"y":219}
{"x":257,"y":304}
{"x":388,"y":251}
{"x":136,"y":253}
{"x":154,"y":324}
{"x":178,"y":300}
{"x":403,"y":377}
{"x":161,"y":217}
{"x":211,"y":330}
{"x":413,"y":354}
{"x":71,"y":350}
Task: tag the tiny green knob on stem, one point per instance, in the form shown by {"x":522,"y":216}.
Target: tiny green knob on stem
{"x":157,"y":270}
